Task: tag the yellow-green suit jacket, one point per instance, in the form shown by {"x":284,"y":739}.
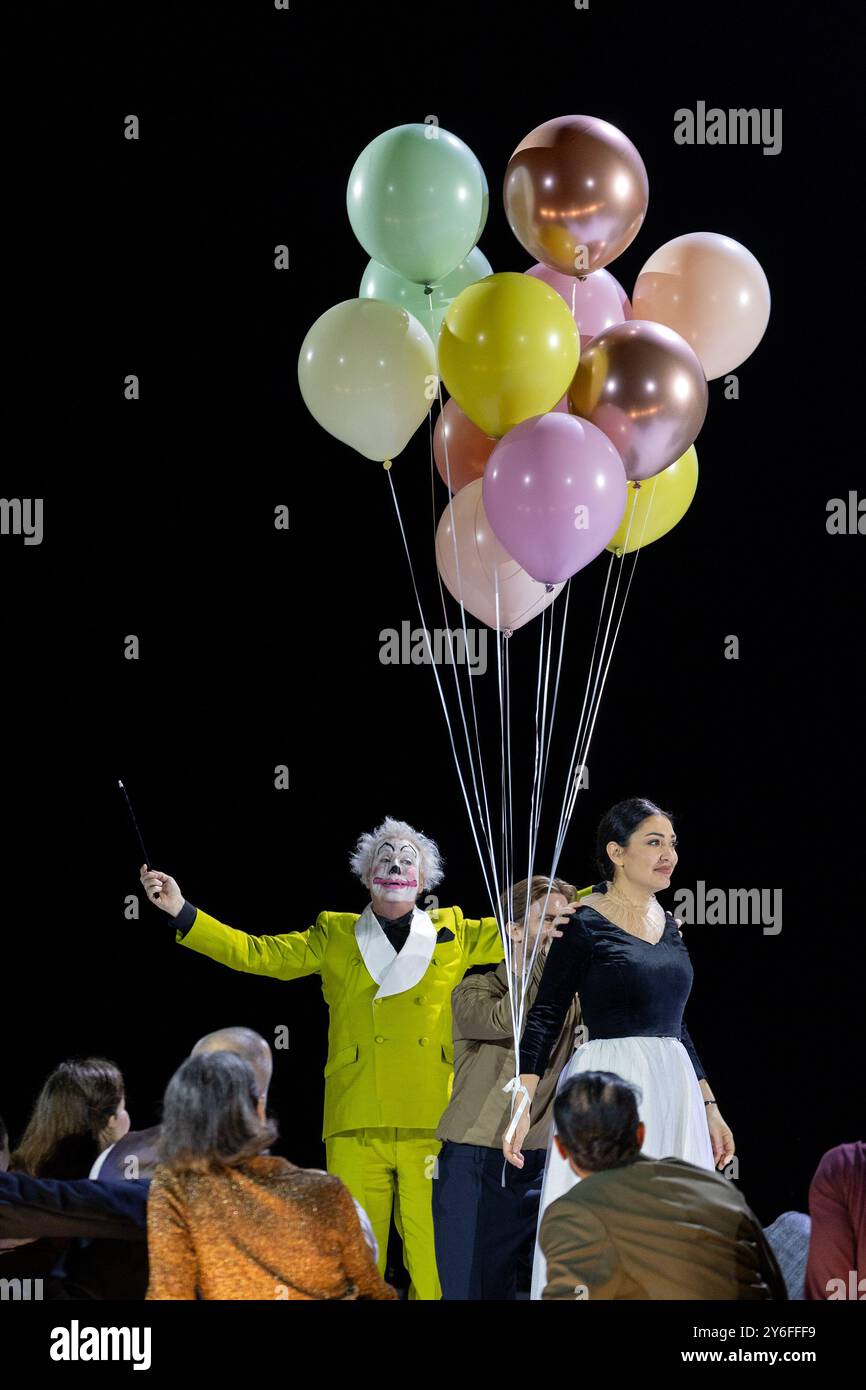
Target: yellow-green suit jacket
{"x":390,"y":1060}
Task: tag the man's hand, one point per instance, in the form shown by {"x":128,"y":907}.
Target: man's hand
{"x":170,"y":899}
{"x":562,"y":920}
{"x":551,"y":930}
{"x":512,"y":1147}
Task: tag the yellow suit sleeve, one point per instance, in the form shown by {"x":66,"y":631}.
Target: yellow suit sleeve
{"x":286,"y":957}
{"x":482,"y":942}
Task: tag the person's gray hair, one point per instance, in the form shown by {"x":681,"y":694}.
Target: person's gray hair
{"x":361,"y":860}
{"x":209,"y":1118}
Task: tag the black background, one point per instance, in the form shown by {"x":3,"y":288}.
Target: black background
{"x":261,"y":648}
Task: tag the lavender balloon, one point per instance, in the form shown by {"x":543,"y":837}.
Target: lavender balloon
{"x":554,"y":492}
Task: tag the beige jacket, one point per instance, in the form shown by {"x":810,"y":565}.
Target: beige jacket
{"x":484,"y":1061}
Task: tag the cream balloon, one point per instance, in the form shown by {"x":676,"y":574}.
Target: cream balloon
{"x":712,"y":291}
{"x":367,"y":372}
{"x":484,"y":565}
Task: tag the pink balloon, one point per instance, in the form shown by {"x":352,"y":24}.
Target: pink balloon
{"x":627,"y":309}
{"x":485,"y":565}
{"x":596,"y":302}
{"x":555,"y":492}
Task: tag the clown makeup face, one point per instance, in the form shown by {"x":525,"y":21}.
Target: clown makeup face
{"x":396,"y":876}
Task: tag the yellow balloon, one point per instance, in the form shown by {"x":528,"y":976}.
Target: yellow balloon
{"x":656,"y":505}
{"x":508,"y":350}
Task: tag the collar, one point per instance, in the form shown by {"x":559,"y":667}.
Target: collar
{"x":403,"y":921}
{"x":395,"y":971}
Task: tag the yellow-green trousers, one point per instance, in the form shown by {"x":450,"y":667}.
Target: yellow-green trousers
{"x":394,"y":1168}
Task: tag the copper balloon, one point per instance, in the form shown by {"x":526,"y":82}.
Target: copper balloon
{"x":575,"y":182}
{"x":460,"y":448}
{"x":644,"y":387}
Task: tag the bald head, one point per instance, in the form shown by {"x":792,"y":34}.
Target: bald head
{"x":247,"y":1044}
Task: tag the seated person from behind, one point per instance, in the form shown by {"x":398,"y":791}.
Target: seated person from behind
{"x":637,"y":1227}
{"x":226,"y":1220}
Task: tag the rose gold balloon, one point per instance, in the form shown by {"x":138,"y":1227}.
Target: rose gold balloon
{"x":575,"y":185}
{"x":468,"y":447}
{"x":712,"y":291}
{"x":644,"y":387}
{"x":484,"y":564}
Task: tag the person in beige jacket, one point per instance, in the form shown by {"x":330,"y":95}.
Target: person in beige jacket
{"x":483,"y":1218}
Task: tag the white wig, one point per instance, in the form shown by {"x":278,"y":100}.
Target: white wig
{"x":361,"y":860}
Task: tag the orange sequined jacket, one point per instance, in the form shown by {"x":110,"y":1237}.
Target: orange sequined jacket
{"x":260,"y":1229}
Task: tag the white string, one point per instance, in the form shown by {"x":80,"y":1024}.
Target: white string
{"x":439,"y":685}
{"x":596,"y":679}
{"x":570,"y":795}
{"x":495,"y":903}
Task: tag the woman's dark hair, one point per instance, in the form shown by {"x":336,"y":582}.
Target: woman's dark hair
{"x":596,"y":1118}
{"x":619,"y":824}
{"x":209,"y":1114}
{"x":74,"y":1106}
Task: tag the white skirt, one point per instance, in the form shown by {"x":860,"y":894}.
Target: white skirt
{"x":672,"y":1108}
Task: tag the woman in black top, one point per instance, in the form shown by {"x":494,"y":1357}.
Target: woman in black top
{"x":625,"y":957}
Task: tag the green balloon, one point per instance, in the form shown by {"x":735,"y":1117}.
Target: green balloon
{"x":381,"y":283}
{"x":417,"y":201}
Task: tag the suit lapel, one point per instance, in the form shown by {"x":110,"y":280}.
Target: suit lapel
{"x":393,"y":971}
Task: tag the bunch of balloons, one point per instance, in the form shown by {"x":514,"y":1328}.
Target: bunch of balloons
{"x":573,"y":410}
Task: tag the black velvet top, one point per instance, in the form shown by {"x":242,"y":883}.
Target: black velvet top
{"x":628,"y":987}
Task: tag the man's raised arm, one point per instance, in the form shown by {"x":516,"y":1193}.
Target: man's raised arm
{"x":284,"y":957}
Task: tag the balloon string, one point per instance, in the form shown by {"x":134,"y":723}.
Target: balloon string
{"x":439,"y":684}
{"x":539,"y":796}
{"x":573,"y":785}
{"x":604,"y":666}
{"x":477,"y":749}
{"x":472,"y":751}
{"x":592,"y":684}
{"x":506,"y":829}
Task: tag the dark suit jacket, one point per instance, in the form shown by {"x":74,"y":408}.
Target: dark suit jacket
{"x":48,"y":1207}
{"x":132,"y":1157}
{"x":657,"y":1228}
{"x":105,"y":1226}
